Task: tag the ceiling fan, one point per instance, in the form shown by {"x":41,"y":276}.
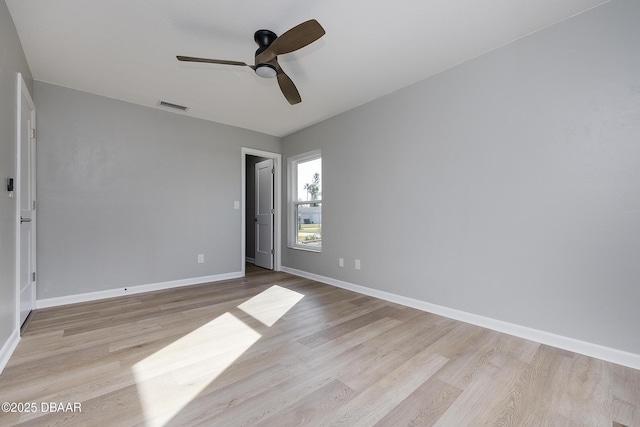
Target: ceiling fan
{"x":270,"y":46}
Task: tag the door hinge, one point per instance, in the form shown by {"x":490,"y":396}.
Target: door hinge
{"x":273,"y":211}
{"x":33,"y":276}
{"x":33,"y":133}
{"x":34,"y":205}
{"x":273,"y":251}
{"x":273,"y":171}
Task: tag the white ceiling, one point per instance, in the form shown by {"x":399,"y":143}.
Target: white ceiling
{"x":126,"y":49}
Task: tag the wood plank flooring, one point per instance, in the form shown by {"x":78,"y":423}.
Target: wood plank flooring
{"x":273,"y":349}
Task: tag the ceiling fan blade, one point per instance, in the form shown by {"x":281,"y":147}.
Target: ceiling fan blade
{"x":213,"y":61}
{"x":287,"y":87}
{"x":296,"y":38}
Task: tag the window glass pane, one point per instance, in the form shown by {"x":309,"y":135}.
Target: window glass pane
{"x":309,"y":224}
{"x":309,"y":180}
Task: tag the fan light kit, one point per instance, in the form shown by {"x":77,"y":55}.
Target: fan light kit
{"x":266,"y":57}
{"x":267,"y":71}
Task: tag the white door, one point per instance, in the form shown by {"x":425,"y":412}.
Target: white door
{"x":264,"y":214}
{"x":26,"y":187}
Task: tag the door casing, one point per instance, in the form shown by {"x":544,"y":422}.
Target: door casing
{"x":277,"y":220}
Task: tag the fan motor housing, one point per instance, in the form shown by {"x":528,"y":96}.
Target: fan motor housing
{"x":264,"y":38}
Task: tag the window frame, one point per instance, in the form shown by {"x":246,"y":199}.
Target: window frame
{"x":292,"y":202}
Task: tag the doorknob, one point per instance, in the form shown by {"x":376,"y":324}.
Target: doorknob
{"x":24,"y":220}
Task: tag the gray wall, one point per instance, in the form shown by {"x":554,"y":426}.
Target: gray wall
{"x":129,"y":195}
{"x":508,"y":186}
{"x":250,"y":206}
{"x":12,"y":61}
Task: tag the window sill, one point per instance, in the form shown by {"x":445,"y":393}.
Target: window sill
{"x":306,"y":249}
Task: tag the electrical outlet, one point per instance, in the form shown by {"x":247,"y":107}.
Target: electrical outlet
{"x":200,"y":258}
{"x":357,"y":264}
{"x":340,"y":262}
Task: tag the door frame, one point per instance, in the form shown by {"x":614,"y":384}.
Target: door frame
{"x":277,"y":204}
{"x":23,"y":91}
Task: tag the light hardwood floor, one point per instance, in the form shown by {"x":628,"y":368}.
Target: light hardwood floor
{"x":273,"y":349}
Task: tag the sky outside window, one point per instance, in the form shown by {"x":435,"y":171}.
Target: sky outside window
{"x":305,"y":176}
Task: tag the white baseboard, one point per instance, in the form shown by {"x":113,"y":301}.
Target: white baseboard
{"x":250,"y":260}
{"x":608,"y":354}
{"x":111,"y":293}
{"x":8,"y":348}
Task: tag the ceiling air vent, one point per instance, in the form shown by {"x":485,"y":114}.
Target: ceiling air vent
{"x":174,"y":106}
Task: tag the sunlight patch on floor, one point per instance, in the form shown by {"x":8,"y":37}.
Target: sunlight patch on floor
{"x":172,"y":377}
{"x":270,"y":305}
{"x":165,"y":382}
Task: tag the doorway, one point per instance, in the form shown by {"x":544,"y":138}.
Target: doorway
{"x":25,"y":189}
{"x":253,"y":246}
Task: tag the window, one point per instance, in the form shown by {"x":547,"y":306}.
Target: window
{"x":305,"y":201}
